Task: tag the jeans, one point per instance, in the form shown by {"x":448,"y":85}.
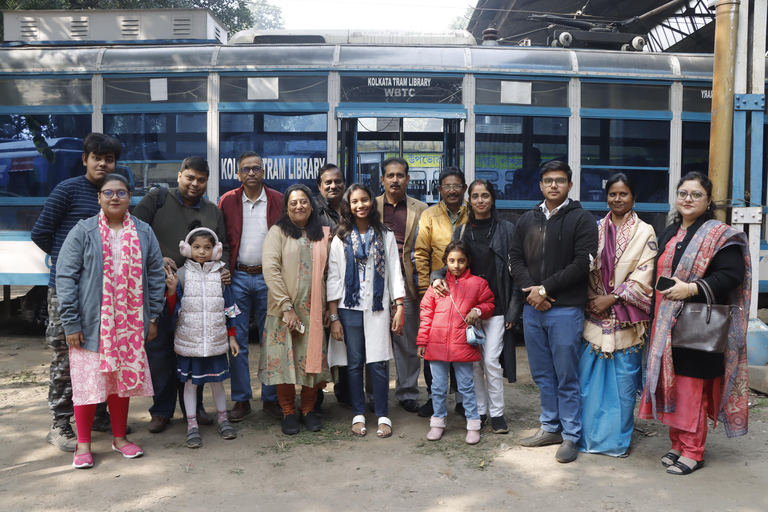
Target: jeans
{"x":354,"y":335}
{"x":553,"y":339}
{"x":440,"y":377}
{"x":248,"y":291}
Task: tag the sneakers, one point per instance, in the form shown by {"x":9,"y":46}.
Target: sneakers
{"x":63,"y":437}
{"x":541,"y":438}
{"x":498,"y":425}
{"x":436,"y":428}
{"x":82,"y":460}
{"x":129,"y":451}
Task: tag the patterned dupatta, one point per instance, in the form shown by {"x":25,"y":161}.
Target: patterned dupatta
{"x":122,"y":308}
{"x":660,"y":387}
{"x":629,"y":318}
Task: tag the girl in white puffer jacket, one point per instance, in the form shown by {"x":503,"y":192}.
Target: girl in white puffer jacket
{"x":202,"y":310}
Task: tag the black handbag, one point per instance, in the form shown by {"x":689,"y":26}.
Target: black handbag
{"x":703,"y":327}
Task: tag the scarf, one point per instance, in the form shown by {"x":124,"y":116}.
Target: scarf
{"x":660,"y":387}
{"x":316,"y":306}
{"x":122,"y":308}
{"x":357,"y":253}
{"x":628,"y":318}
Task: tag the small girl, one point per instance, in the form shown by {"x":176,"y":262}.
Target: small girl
{"x":442,"y":337}
{"x":203,"y":310}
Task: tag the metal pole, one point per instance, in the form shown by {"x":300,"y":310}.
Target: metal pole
{"x":721,"y":131}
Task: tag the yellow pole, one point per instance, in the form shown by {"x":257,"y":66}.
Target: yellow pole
{"x":721,"y":129}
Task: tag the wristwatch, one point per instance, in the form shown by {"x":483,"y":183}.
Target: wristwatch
{"x":287,"y":308}
{"x":615,"y":296}
{"x":333,"y":317}
{"x":542,"y":291}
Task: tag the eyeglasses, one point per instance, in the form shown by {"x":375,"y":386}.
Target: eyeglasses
{"x":559,"y":181}
{"x":695,"y":195}
{"x":455,"y":188}
{"x":121,"y":194}
{"x":249,"y":170}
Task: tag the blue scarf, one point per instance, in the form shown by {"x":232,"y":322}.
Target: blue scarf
{"x":357,"y":253}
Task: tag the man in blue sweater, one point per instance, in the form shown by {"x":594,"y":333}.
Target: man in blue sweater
{"x":71,"y":201}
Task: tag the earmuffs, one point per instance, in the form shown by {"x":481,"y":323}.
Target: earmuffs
{"x":186,"y":249}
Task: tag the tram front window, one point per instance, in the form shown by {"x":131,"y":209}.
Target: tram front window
{"x":427,"y":144}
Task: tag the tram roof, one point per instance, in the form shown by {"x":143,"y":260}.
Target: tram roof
{"x":169,"y":59}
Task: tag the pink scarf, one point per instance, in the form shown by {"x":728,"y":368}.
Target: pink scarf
{"x":122,"y":308}
{"x":316,"y":306}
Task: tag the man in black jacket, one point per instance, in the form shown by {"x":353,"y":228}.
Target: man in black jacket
{"x":553,"y":247}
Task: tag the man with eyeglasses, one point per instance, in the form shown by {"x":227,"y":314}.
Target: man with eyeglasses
{"x":70,"y":202}
{"x":170,"y":212}
{"x":435,"y":231}
{"x":249,"y":212}
{"x":552,"y":249}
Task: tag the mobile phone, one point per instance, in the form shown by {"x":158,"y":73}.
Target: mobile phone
{"x":664,"y":283}
{"x":301,"y":326}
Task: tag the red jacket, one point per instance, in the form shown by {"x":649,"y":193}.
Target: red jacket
{"x":442,"y":329}
{"x":231,"y":205}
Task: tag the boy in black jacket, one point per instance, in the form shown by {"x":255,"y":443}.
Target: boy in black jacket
{"x":553,"y":247}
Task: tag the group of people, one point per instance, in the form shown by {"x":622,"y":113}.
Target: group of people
{"x":158,"y":302}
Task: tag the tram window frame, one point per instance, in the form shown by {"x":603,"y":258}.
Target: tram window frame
{"x":48,"y":91}
{"x":132,"y":90}
{"x":280,"y":166}
{"x":550,"y":93}
{"x":611,"y":163}
{"x":625,"y":95}
{"x":515,"y":146}
{"x":290,"y":89}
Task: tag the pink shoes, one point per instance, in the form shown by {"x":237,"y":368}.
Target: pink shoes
{"x":473,"y":431}
{"x":436,"y":428}
{"x":129,"y":451}
{"x":82,"y":460}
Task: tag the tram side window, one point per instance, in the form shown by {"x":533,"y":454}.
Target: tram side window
{"x":695,"y":147}
{"x":637,"y":148}
{"x":155,"y":144}
{"x":510,"y":151}
{"x":293,"y":147}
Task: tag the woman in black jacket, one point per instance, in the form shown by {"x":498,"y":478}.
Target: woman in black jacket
{"x":489,"y":239}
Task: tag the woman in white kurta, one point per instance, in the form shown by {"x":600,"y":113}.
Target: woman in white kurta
{"x":364,"y":279}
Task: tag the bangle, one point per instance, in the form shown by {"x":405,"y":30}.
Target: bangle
{"x":333,"y":317}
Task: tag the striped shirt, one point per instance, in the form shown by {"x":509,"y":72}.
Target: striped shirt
{"x":71,"y":201}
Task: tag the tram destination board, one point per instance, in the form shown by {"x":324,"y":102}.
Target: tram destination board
{"x":401,"y":89}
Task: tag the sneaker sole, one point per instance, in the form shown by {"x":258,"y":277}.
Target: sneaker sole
{"x":500,"y":431}
{"x":82,"y":466}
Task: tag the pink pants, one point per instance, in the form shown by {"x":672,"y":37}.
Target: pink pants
{"x":118,"y":411}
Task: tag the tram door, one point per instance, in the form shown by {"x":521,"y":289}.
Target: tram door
{"x":428,"y":145}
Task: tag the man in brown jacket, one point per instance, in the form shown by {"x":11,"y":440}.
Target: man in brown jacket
{"x":401,"y":214}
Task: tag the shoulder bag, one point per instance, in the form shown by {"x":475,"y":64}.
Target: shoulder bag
{"x":475,"y":335}
{"x":702,"y":326}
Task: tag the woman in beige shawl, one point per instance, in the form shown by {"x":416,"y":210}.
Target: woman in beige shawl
{"x":615,"y":323}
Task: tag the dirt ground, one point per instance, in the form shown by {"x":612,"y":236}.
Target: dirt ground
{"x":332,"y":470}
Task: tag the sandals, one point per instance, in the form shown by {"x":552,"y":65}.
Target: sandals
{"x":359,"y":419}
{"x":669,"y":459}
{"x":684,"y":469}
{"x":384,"y":421}
{"x":226,"y":430}
{"x":193,"y":438}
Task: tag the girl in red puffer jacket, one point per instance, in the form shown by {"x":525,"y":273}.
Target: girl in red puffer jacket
{"x":443,"y":338}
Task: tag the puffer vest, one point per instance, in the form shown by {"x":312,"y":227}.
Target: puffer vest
{"x":201,"y":330}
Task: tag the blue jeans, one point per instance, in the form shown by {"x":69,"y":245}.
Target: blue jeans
{"x":440,"y":377}
{"x":553,"y":340}
{"x":354,"y":336}
{"x":248,"y":291}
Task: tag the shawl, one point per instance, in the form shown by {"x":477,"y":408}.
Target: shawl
{"x":660,"y":386}
{"x":316,"y":306}
{"x":357,"y":253}
{"x":122,"y":309}
{"x":624,"y":266}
